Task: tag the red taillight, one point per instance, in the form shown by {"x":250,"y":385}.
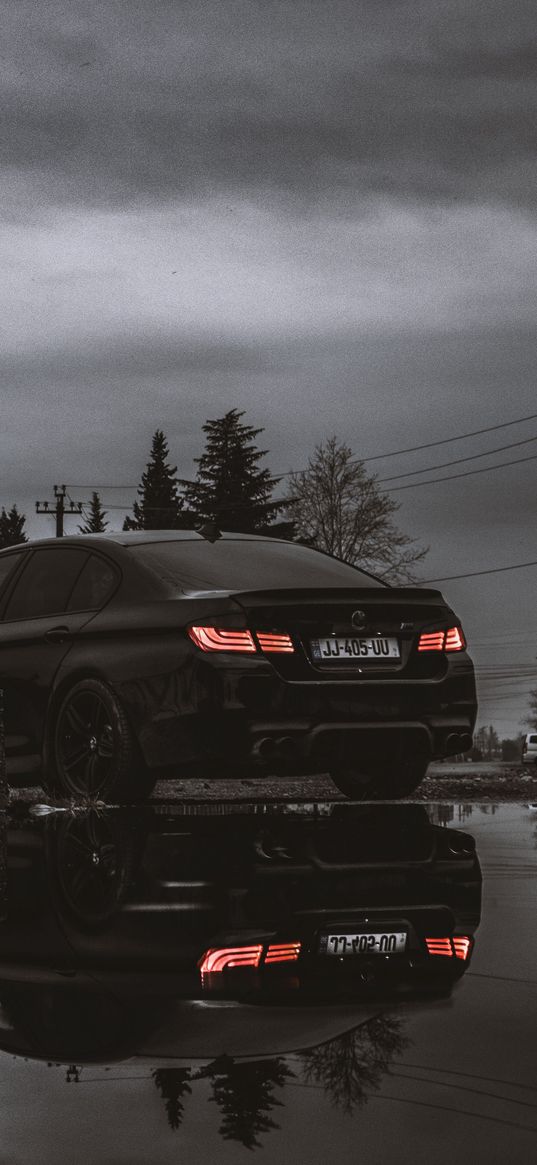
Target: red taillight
{"x":219,"y":958}
{"x":431,"y":641}
{"x":458,"y":946}
{"x":216,"y":639}
{"x":269,"y":641}
{"x":455,"y":640}
{"x":461,"y":944}
{"x":282,"y":953}
{"x":450,"y":640}
{"x":439,"y":946}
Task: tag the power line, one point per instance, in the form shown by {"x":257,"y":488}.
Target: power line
{"x":467,"y":473}
{"x":433,"y":444}
{"x":377,"y":456}
{"x":98,"y":487}
{"x":475,"y":573}
{"x":469,"y":1075}
{"x":459,"y":461}
{"x":421,"y":582}
{"x":461,"y":1087}
{"x":448,"y":440}
{"x":458,"y":1111}
{"x":392,"y":489}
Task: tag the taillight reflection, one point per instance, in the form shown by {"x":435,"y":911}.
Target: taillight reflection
{"x":282,"y":953}
{"x":456,"y":947}
{"x":461,"y":945}
{"x":221,"y":958}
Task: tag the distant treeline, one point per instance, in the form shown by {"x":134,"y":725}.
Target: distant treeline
{"x":333,"y":504}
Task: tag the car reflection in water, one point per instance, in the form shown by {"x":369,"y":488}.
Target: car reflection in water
{"x":241,"y":946}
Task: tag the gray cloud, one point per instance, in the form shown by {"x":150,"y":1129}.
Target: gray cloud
{"x":110,"y":101}
{"x":321,"y":213}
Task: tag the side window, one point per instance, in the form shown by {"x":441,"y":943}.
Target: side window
{"x":46,"y":583}
{"x":8,"y":562}
{"x":94,"y":586}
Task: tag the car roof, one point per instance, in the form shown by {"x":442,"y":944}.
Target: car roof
{"x":138,"y":538}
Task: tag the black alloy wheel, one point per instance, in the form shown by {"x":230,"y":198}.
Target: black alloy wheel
{"x":91,"y":863}
{"x":93,"y":751}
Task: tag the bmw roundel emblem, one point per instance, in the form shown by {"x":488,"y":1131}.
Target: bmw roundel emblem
{"x":359,"y":620}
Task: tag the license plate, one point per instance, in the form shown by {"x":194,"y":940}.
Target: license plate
{"x":353,"y":649}
{"x":391,"y":942}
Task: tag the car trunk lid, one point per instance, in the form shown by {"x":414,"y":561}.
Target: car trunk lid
{"x":388,"y":621}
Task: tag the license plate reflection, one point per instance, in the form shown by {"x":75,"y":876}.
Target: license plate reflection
{"x":391,"y":942}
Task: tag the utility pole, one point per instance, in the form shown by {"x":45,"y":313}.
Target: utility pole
{"x":59,"y":510}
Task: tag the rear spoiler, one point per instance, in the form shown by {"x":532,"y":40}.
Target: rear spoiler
{"x":328,"y":594}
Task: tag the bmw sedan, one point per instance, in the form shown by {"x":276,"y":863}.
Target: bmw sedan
{"x":117,"y":918}
{"x":131,"y":656}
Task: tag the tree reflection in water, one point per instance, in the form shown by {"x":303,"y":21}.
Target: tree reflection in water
{"x":244,"y":1093}
{"x":353,"y":1064}
{"x":347,"y":1068}
{"x":173,"y":1084}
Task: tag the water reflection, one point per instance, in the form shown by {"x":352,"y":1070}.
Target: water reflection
{"x":109,"y":916}
{"x":346,"y":1068}
{"x":456,"y":814}
{"x":247,"y":1094}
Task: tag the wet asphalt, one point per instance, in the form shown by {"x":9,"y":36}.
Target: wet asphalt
{"x":411,"y":1080}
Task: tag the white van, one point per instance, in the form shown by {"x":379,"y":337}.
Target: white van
{"x":529,"y":748}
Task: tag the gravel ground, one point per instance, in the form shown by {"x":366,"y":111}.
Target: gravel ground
{"x":444,"y":782}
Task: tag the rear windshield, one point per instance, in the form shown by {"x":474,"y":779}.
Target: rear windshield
{"x":532,"y":739}
{"x":246,"y":566}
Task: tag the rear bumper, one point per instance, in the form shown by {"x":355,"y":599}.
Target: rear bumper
{"x":246,"y":715}
{"x":392,"y":740}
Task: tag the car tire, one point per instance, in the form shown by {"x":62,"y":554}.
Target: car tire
{"x":92,"y":752}
{"x":387,"y":783}
{"x":91,"y":860}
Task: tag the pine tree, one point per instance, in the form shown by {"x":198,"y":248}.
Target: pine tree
{"x":173,"y":1085}
{"x":95,"y":523}
{"x":245,"y":1095}
{"x":159,"y":507}
{"x":231,"y":490}
{"x":12,"y":527}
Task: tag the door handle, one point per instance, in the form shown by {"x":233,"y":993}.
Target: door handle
{"x":57,"y":635}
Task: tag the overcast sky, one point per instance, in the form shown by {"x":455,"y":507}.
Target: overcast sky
{"x":321,"y":213}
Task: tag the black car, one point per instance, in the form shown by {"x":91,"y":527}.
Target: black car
{"x":183,"y":960}
{"x":115,"y":921}
{"x":126,"y":657}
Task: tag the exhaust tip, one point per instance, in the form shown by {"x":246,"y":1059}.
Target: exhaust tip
{"x":453,"y":743}
{"x":285,"y":745}
{"x":263,"y":748}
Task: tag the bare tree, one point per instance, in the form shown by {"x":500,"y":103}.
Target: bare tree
{"x":530,"y":721}
{"x":351,"y":1066}
{"x":338,"y":507}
